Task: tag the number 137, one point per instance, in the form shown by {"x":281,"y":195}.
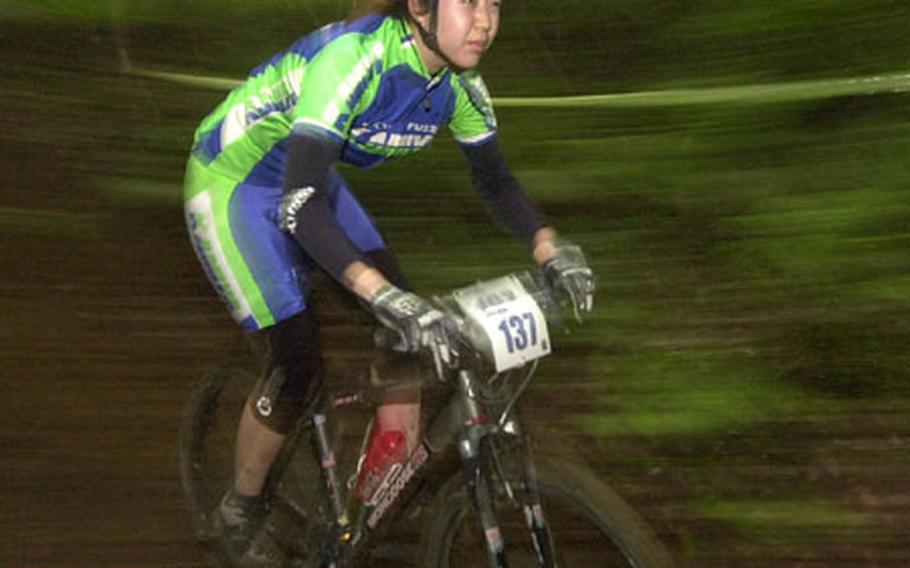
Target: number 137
{"x":520,"y":332}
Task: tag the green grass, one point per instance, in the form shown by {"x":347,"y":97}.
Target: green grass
{"x":791,"y":521}
{"x":688,"y":392}
{"x":124,"y":191}
{"x":159,"y":11}
{"x":20,"y":221}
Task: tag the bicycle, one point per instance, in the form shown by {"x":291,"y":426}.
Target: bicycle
{"x":475,"y":480}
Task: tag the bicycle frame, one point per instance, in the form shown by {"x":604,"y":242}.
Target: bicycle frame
{"x":463,"y":421}
{"x":317,"y":522}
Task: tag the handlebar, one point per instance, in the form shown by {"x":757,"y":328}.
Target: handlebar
{"x":502,"y":322}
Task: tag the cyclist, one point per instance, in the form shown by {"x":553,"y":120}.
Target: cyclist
{"x":265,"y":204}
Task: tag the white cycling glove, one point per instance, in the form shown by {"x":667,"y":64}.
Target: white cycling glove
{"x":418,"y":324}
{"x":568,"y":271}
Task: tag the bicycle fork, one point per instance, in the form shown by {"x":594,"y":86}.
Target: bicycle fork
{"x":473,"y":458}
{"x":541,"y":537}
{"x":479,"y":456}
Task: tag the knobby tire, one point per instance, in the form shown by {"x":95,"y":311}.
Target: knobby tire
{"x":591,"y":525}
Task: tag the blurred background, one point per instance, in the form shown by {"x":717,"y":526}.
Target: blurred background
{"x":743,"y":383}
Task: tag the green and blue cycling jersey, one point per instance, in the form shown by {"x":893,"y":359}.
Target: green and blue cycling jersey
{"x":363,"y":89}
{"x":362,"y":84}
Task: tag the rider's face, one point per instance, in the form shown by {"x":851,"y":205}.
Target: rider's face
{"x":466,"y":29}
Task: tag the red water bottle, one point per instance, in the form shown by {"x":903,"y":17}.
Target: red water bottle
{"x":384,"y":451}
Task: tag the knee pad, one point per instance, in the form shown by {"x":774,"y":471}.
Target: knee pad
{"x":293,"y":374}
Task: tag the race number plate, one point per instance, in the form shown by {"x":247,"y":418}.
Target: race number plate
{"x":509,"y":318}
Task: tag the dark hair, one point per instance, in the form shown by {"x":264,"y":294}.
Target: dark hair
{"x":397,"y":7}
{"x":392,"y":7}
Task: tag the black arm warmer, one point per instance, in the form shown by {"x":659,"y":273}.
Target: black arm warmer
{"x":305,"y":209}
{"x":501,"y":192}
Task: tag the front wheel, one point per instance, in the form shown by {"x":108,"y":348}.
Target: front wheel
{"x":589,"y":523}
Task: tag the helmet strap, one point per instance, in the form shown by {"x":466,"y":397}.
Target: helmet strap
{"x":429,"y":36}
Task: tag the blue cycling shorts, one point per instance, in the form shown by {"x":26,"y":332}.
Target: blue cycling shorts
{"x":258,"y":269}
